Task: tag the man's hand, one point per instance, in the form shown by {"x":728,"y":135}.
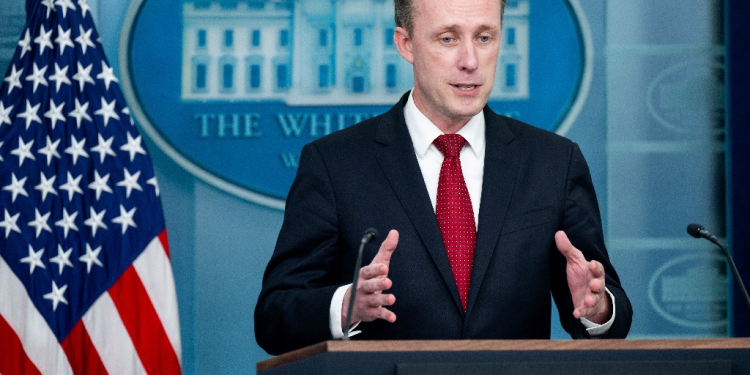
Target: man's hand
{"x":586,"y":283}
{"x":373,"y":280}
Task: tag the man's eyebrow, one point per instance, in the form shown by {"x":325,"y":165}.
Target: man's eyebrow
{"x":489,"y":28}
{"x":456,"y":28}
{"x":447,"y":28}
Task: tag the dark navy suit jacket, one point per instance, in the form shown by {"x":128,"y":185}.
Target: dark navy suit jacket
{"x":535,"y":183}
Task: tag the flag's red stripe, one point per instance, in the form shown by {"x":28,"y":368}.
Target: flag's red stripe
{"x":143,"y":325}
{"x":13,"y":359}
{"x":164,"y":242}
{"x":82,"y":355}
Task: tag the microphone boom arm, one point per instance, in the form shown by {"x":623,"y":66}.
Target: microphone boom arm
{"x":697,"y":231}
{"x":369,"y":235}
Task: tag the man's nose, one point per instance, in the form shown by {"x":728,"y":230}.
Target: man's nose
{"x":467,"y":59}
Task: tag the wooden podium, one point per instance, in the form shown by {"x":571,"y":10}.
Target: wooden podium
{"x":517,"y":357}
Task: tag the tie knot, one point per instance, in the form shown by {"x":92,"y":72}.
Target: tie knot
{"x":450,"y":145}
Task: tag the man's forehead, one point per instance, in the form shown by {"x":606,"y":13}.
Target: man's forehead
{"x":457,"y":9}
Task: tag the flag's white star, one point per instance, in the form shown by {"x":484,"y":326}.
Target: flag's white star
{"x":83,"y":75}
{"x":57,"y":295}
{"x":14,"y":78}
{"x":40,"y":222}
{"x":63,"y":39}
{"x":104,"y":148}
{"x":125,"y":219}
{"x":65,"y":5}
{"x":34,"y":259}
{"x":107,"y":111}
{"x":100,"y":184}
{"x":76,"y":149}
{"x":44,"y":39}
{"x":68,"y":222}
{"x":45,"y":186}
{"x":60,"y":77}
{"x":130,"y":182}
{"x":91,"y":258}
{"x":37,"y":77}
{"x":10,"y":223}
{"x":84,"y":39}
{"x":152,"y":181}
{"x":1,"y":145}
{"x":84,"y":7}
{"x":16,"y":187}
{"x":23,"y":151}
{"x":55,"y":113}
{"x":25,"y":43}
{"x":50,"y":150}
{"x":107,"y":75}
{"x":5,"y":114}
{"x":62,"y":259}
{"x":72,"y":186}
{"x":31,"y":114}
{"x":95,"y":221}
{"x":50,"y":4}
{"x":80,"y":113}
{"x":133,"y":146}
{"x":126,"y":111}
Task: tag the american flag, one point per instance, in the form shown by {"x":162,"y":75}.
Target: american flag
{"x":86,"y":283}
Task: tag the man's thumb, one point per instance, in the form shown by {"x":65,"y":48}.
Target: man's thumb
{"x":564,"y":245}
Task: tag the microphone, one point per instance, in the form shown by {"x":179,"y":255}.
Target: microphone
{"x":697,"y":231}
{"x":370,"y":234}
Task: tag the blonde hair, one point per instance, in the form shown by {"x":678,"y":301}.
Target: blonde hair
{"x":404,"y":13}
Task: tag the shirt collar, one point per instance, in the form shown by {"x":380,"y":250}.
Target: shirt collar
{"x":423,"y":132}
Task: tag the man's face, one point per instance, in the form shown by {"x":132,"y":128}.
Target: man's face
{"x":454,"y":47}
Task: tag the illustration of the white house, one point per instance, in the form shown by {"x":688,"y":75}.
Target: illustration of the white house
{"x":318,"y":52}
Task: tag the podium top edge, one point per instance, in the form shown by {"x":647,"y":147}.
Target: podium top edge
{"x":501,"y":345}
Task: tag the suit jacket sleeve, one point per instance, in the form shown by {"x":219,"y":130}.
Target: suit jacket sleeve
{"x":582,"y":223}
{"x":303,"y":273}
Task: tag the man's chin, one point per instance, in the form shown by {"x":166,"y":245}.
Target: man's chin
{"x":469,"y":110}
{"x":471,"y":105}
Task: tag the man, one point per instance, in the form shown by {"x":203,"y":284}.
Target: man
{"x":481,"y":209}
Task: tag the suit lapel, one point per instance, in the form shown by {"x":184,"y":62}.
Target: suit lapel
{"x":399,"y":163}
{"x":500,"y":170}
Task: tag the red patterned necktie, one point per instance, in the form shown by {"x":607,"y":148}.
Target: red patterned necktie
{"x":455,"y":214}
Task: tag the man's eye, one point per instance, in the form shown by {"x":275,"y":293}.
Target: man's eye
{"x":447,"y":40}
{"x":484,"y":39}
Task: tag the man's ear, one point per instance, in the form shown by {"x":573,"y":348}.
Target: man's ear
{"x":403,"y":43}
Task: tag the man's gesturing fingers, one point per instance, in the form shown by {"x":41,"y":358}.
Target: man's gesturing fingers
{"x":373,"y":280}
{"x":372,"y":271}
{"x":586,"y":282}
{"x":597,"y":271}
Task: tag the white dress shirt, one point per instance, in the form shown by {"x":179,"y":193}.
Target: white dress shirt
{"x":423,"y":132}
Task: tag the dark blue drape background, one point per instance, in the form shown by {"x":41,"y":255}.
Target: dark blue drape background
{"x":738,"y":127}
